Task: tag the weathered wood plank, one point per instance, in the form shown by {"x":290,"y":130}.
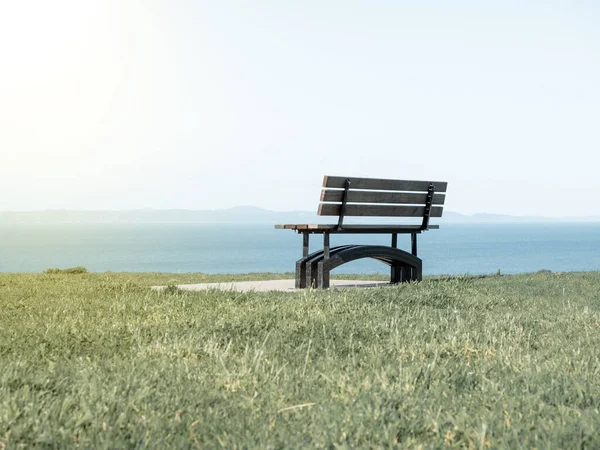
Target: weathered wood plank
{"x":330,"y":195}
{"x":336,"y":182}
{"x":330,"y":209}
{"x":354,"y":227}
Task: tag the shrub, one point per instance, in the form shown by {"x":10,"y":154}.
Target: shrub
{"x":172,"y":289}
{"x":70,"y":270}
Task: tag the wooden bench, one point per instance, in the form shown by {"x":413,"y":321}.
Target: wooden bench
{"x":371,"y":197}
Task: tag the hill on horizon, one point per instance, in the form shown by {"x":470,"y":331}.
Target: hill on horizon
{"x":241,"y":214}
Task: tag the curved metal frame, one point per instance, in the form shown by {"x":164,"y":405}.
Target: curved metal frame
{"x":313,"y":270}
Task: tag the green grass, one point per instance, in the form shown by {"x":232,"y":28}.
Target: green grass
{"x":101,"y":361}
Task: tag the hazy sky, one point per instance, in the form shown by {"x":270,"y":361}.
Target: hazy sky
{"x":210,"y":104}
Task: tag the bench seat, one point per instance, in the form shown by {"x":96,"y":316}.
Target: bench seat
{"x":355,"y":229}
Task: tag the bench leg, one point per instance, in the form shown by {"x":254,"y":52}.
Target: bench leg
{"x":300,"y":274}
{"x":395,"y":270}
{"x":322,"y":277}
{"x":401,"y":274}
{"x":413,"y":243}
{"x":418,"y":274}
{"x":396,"y":274}
{"x":301,"y":265}
{"x":323,"y":274}
{"x":305,"y":237}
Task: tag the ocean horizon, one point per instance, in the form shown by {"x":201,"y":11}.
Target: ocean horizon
{"x":211,"y":248}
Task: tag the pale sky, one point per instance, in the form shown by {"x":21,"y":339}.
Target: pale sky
{"x":212,"y":104}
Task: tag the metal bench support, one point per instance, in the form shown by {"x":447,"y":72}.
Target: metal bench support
{"x":305,"y":238}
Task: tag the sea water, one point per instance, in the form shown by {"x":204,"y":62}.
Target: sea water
{"x":227,"y":248}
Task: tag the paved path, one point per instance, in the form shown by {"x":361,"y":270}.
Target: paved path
{"x":271,"y":285}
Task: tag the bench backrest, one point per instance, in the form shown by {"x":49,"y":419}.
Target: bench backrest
{"x":351,"y":196}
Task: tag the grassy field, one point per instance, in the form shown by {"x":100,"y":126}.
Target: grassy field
{"x":101,"y":361}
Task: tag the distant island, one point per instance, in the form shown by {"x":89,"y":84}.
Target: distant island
{"x":238,"y":214}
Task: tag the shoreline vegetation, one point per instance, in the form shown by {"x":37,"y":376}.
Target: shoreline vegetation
{"x":102,"y":360}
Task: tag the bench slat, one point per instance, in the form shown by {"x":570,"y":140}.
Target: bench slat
{"x":382,"y":184}
{"x":330,"y":195}
{"x":330,"y":209}
{"x":330,"y":226}
{"x":356,"y":228}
